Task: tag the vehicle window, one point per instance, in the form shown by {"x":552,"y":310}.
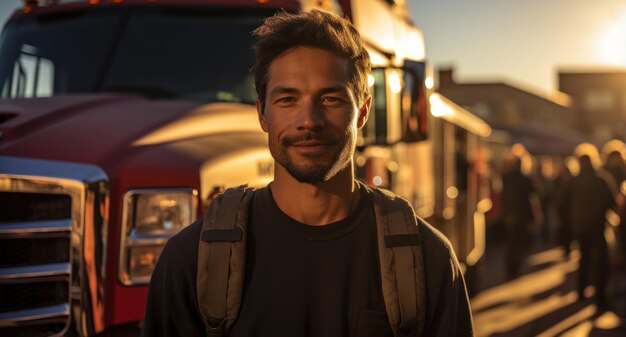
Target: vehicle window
{"x":414,"y":105}
{"x":379,"y":106}
{"x":54,"y":55}
{"x":376,"y":126}
{"x":32,"y":75}
{"x":160,"y":53}
{"x":203,"y":56}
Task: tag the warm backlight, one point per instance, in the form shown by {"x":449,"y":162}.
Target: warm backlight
{"x":614,"y":42}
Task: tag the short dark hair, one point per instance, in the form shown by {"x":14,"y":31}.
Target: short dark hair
{"x":314,"y":28}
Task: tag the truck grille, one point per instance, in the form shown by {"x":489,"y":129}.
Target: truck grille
{"x":28,"y":295}
{"x":22,"y":252}
{"x":35,"y":263}
{"x":27,"y":207}
{"x":53,"y":229}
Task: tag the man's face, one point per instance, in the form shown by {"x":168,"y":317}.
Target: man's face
{"x":310,"y":114}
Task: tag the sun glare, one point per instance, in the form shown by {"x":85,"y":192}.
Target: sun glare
{"x":614,"y":42}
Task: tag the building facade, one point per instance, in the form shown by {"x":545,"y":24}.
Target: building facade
{"x":599,"y":98}
{"x":544,"y":125}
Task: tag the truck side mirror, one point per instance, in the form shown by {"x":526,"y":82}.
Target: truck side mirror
{"x":414,"y":102}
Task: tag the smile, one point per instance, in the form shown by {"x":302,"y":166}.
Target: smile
{"x":311,"y":147}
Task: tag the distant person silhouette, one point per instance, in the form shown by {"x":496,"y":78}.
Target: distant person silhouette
{"x":588,"y":197}
{"x":615,"y":165}
{"x":521,"y":212}
{"x":559,"y":184}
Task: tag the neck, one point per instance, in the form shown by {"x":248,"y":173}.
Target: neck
{"x":315,"y":204}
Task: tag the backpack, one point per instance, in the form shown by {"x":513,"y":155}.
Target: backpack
{"x":222,"y":252}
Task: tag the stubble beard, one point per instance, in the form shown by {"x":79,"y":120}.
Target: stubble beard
{"x":313,"y":169}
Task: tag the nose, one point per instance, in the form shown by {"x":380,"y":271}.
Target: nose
{"x":310,"y":117}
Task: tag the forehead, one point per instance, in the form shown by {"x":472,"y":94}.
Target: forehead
{"x":308,"y":68}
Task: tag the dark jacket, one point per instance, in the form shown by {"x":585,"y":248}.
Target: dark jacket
{"x":588,"y":197}
{"x":516,"y":192}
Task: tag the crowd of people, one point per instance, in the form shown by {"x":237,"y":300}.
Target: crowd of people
{"x":574,"y":203}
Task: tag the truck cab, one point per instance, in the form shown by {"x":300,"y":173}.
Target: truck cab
{"x":118,"y":122}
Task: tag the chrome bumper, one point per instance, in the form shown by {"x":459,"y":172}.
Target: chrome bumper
{"x":53,"y":227}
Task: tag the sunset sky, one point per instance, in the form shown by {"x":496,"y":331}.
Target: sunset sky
{"x":521,"y":42}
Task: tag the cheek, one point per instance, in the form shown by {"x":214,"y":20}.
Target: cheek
{"x":349,"y":123}
{"x":342,"y":117}
{"x":274,"y":130}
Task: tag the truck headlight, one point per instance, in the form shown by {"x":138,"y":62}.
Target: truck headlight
{"x":150,"y":218}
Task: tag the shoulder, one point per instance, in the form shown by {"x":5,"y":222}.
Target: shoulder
{"x":431,"y":237}
{"x":386,"y":197}
{"x":181,"y":251}
{"x":172,"y":308}
{"x":438,"y":253}
{"x":448,"y":312}
{"x":181,"y":242}
{"x":608,"y":181}
{"x":191,"y":232}
{"x":437,"y":249}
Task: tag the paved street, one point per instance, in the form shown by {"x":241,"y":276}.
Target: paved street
{"x":543,"y":302}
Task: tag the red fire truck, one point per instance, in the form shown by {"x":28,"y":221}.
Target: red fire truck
{"x":119,"y":119}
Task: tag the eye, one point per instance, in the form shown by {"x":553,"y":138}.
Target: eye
{"x":285,"y":100}
{"x":331,"y":100}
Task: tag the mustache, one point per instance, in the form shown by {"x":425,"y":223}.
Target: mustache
{"x":308,"y":136}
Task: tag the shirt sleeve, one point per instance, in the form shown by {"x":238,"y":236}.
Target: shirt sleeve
{"x":448,"y":306}
{"x":171,"y":308}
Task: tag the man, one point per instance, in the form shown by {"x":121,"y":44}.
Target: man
{"x":615,"y":166}
{"x":312,"y":265}
{"x":588,"y":196}
{"x":521,"y":211}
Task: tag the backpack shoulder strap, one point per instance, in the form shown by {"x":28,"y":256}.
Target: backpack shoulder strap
{"x":221,"y":259}
{"x":401,"y":263}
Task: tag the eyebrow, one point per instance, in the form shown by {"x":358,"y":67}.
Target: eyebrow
{"x":336,"y":89}
{"x":283,"y":90}
{"x":327,"y":90}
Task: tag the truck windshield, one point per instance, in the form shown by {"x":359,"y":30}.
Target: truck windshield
{"x":161,"y":53}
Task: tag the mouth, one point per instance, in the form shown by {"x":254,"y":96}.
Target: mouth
{"x":312,"y":142}
{"x":311,"y":147}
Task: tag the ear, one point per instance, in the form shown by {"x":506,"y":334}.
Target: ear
{"x":364,"y":112}
{"x":259,"y":111}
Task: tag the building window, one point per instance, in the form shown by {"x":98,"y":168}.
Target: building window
{"x":599,"y":100}
{"x":481,"y":109}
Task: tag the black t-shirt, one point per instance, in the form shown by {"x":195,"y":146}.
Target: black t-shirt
{"x":306,"y":281}
{"x":310,"y":280}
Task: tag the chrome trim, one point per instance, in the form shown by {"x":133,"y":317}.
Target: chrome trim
{"x":132,"y":239}
{"x":22,"y":274}
{"x":19,"y":166}
{"x":26,"y":229}
{"x":87,"y":185}
{"x":51,"y":314}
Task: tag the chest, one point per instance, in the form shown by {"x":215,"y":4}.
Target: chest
{"x":312,"y":287}
{"x":338,"y":267}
